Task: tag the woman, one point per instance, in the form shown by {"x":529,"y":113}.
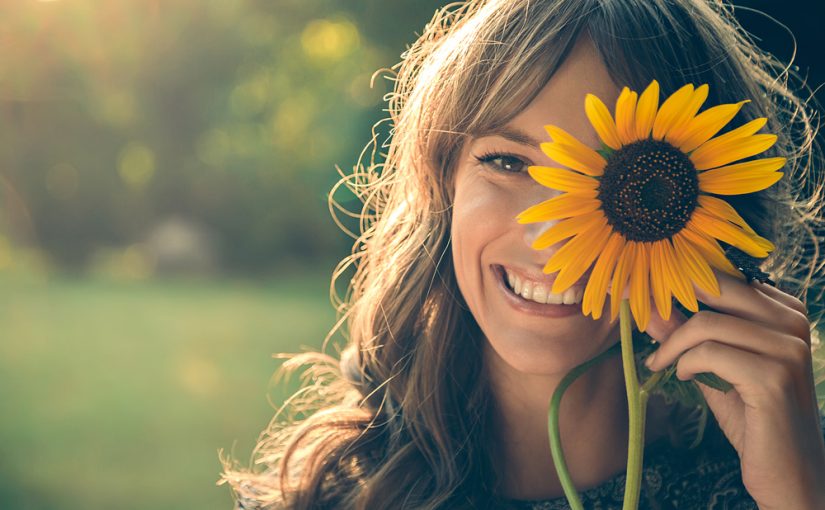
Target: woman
{"x":442,"y":394}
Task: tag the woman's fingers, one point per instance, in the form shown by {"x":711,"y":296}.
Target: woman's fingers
{"x":786,"y":299}
{"x":737,"y":366}
{"x":745,"y":301}
{"x":658,"y":328}
{"x":707,"y":326}
{"x":770,"y":307}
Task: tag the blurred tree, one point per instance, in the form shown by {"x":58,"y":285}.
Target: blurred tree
{"x":233,"y":113}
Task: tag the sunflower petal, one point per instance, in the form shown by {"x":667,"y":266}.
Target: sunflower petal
{"x":732,"y":151}
{"x":587,"y":161}
{"x":575,"y":249}
{"x":596,"y":290}
{"x":578,"y":258}
{"x":646,"y":110}
{"x":742,"y":131}
{"x":734,"y":173}
{"x":620,"y":276}
{"x":626,"y":116}
{"x":562,"y":206}
{"x":567,"y":228}
{"x":696,"y":266}
{"x":724,"y":231}
{"x":557,"y":134}
{"x":749,"y":181}
{"x":659,"y":280}
{"x":678,"y":279}
{"x":670,"y":110}
{"x":602,"y":121}
{"x":561,"y":136}
{"x":684,"y":117}
{"x":710,"y":250}
{"x":640,"y":286}
{"x":724,"y":211}
{"x":706,"y":124}
{"x":564,"y":180}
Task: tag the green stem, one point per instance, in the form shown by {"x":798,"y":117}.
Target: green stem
{"x":553,"y":426}
{"x":636,"y":406}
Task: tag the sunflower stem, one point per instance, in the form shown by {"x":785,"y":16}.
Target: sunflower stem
{"x":553,"y":426}
{"x":636,"y":406}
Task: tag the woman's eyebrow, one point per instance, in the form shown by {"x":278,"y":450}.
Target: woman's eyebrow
{"x":513,"y":134}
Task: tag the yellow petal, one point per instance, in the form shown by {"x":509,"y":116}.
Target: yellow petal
{"x":738,"y":172}
{"x":564,"y":180}
{"x":578,"y":258}
{"x":646,"y":110}
{"x":710,"y":250}
{"x":562,"y":206}
{"x":567,"y":228}
{"x":706,"y":124}
{"x":596,"y":290}
{"x":697,"y":267}
{"x":562,"y":136}
{"x":626,"y":116}
{"x":639,"y":287}
{"x":602,"y":121}
{"x":659,"y":280}
{"x":684,"y":117}
{"x":587,"y":161}
{"x":670,"y":109}
{"x":742,"y":131}
{"x":737,"y":183}
{"x":724,"y":231}
{"x":734,"y":150}
{"x":572,"y":251}
{"x":620,"y":276}
{"x":724,"y":211}
{"x":678,"y":278}
{"x":574,"y":248}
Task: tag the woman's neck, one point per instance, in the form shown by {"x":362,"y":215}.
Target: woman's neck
{"x":592,"y":422}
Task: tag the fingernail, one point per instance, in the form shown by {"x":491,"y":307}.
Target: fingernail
{"x":650,"y":359}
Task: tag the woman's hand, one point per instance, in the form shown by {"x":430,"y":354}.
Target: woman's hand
{"x":758,"y":339}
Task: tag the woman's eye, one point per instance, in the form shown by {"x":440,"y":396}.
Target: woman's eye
{"x":504,"y":163}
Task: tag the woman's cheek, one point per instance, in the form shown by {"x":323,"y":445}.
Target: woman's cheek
{"x":481,"y":221}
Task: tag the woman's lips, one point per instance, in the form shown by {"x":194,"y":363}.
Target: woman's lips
{"x":531,"y":307}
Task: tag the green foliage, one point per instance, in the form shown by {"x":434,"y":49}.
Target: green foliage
{"x":232,"y":113}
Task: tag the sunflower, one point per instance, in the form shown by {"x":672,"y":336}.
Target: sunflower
{"x":646,"y":207}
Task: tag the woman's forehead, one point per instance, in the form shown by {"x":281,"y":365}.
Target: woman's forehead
{"x":561,"y":101}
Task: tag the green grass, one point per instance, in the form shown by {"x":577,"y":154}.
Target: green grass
{"x":119,"y":395}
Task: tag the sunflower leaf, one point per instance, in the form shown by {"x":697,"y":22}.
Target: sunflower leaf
{"x":714,"y":381}
{"x":605,"y":151}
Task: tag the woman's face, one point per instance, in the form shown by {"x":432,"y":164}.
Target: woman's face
{"x":494,"y":262}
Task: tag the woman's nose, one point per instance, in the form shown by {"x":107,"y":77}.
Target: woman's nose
{"x":539,"y":194}
{"x":532,"y":231}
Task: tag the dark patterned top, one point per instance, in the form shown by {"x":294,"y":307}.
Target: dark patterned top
{"x":706,"y":477}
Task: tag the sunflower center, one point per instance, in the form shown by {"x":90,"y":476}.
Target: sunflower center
{"x":649,"y":190}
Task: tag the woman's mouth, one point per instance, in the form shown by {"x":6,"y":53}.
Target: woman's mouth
{"x":535,"y":297}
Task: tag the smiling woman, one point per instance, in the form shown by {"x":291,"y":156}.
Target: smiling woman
{"x":457,"y":333}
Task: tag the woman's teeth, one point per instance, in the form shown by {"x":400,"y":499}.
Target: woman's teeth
{"x":538,"y":292}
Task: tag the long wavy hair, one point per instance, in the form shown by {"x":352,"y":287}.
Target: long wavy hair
{"x":400,"y":416}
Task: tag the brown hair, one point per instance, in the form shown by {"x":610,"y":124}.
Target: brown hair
{"x":403,"y":419}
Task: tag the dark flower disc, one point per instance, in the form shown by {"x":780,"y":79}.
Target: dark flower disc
{"x":649,"y":190}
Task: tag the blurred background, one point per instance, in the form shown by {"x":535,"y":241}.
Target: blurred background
{"x":164,"y":171}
